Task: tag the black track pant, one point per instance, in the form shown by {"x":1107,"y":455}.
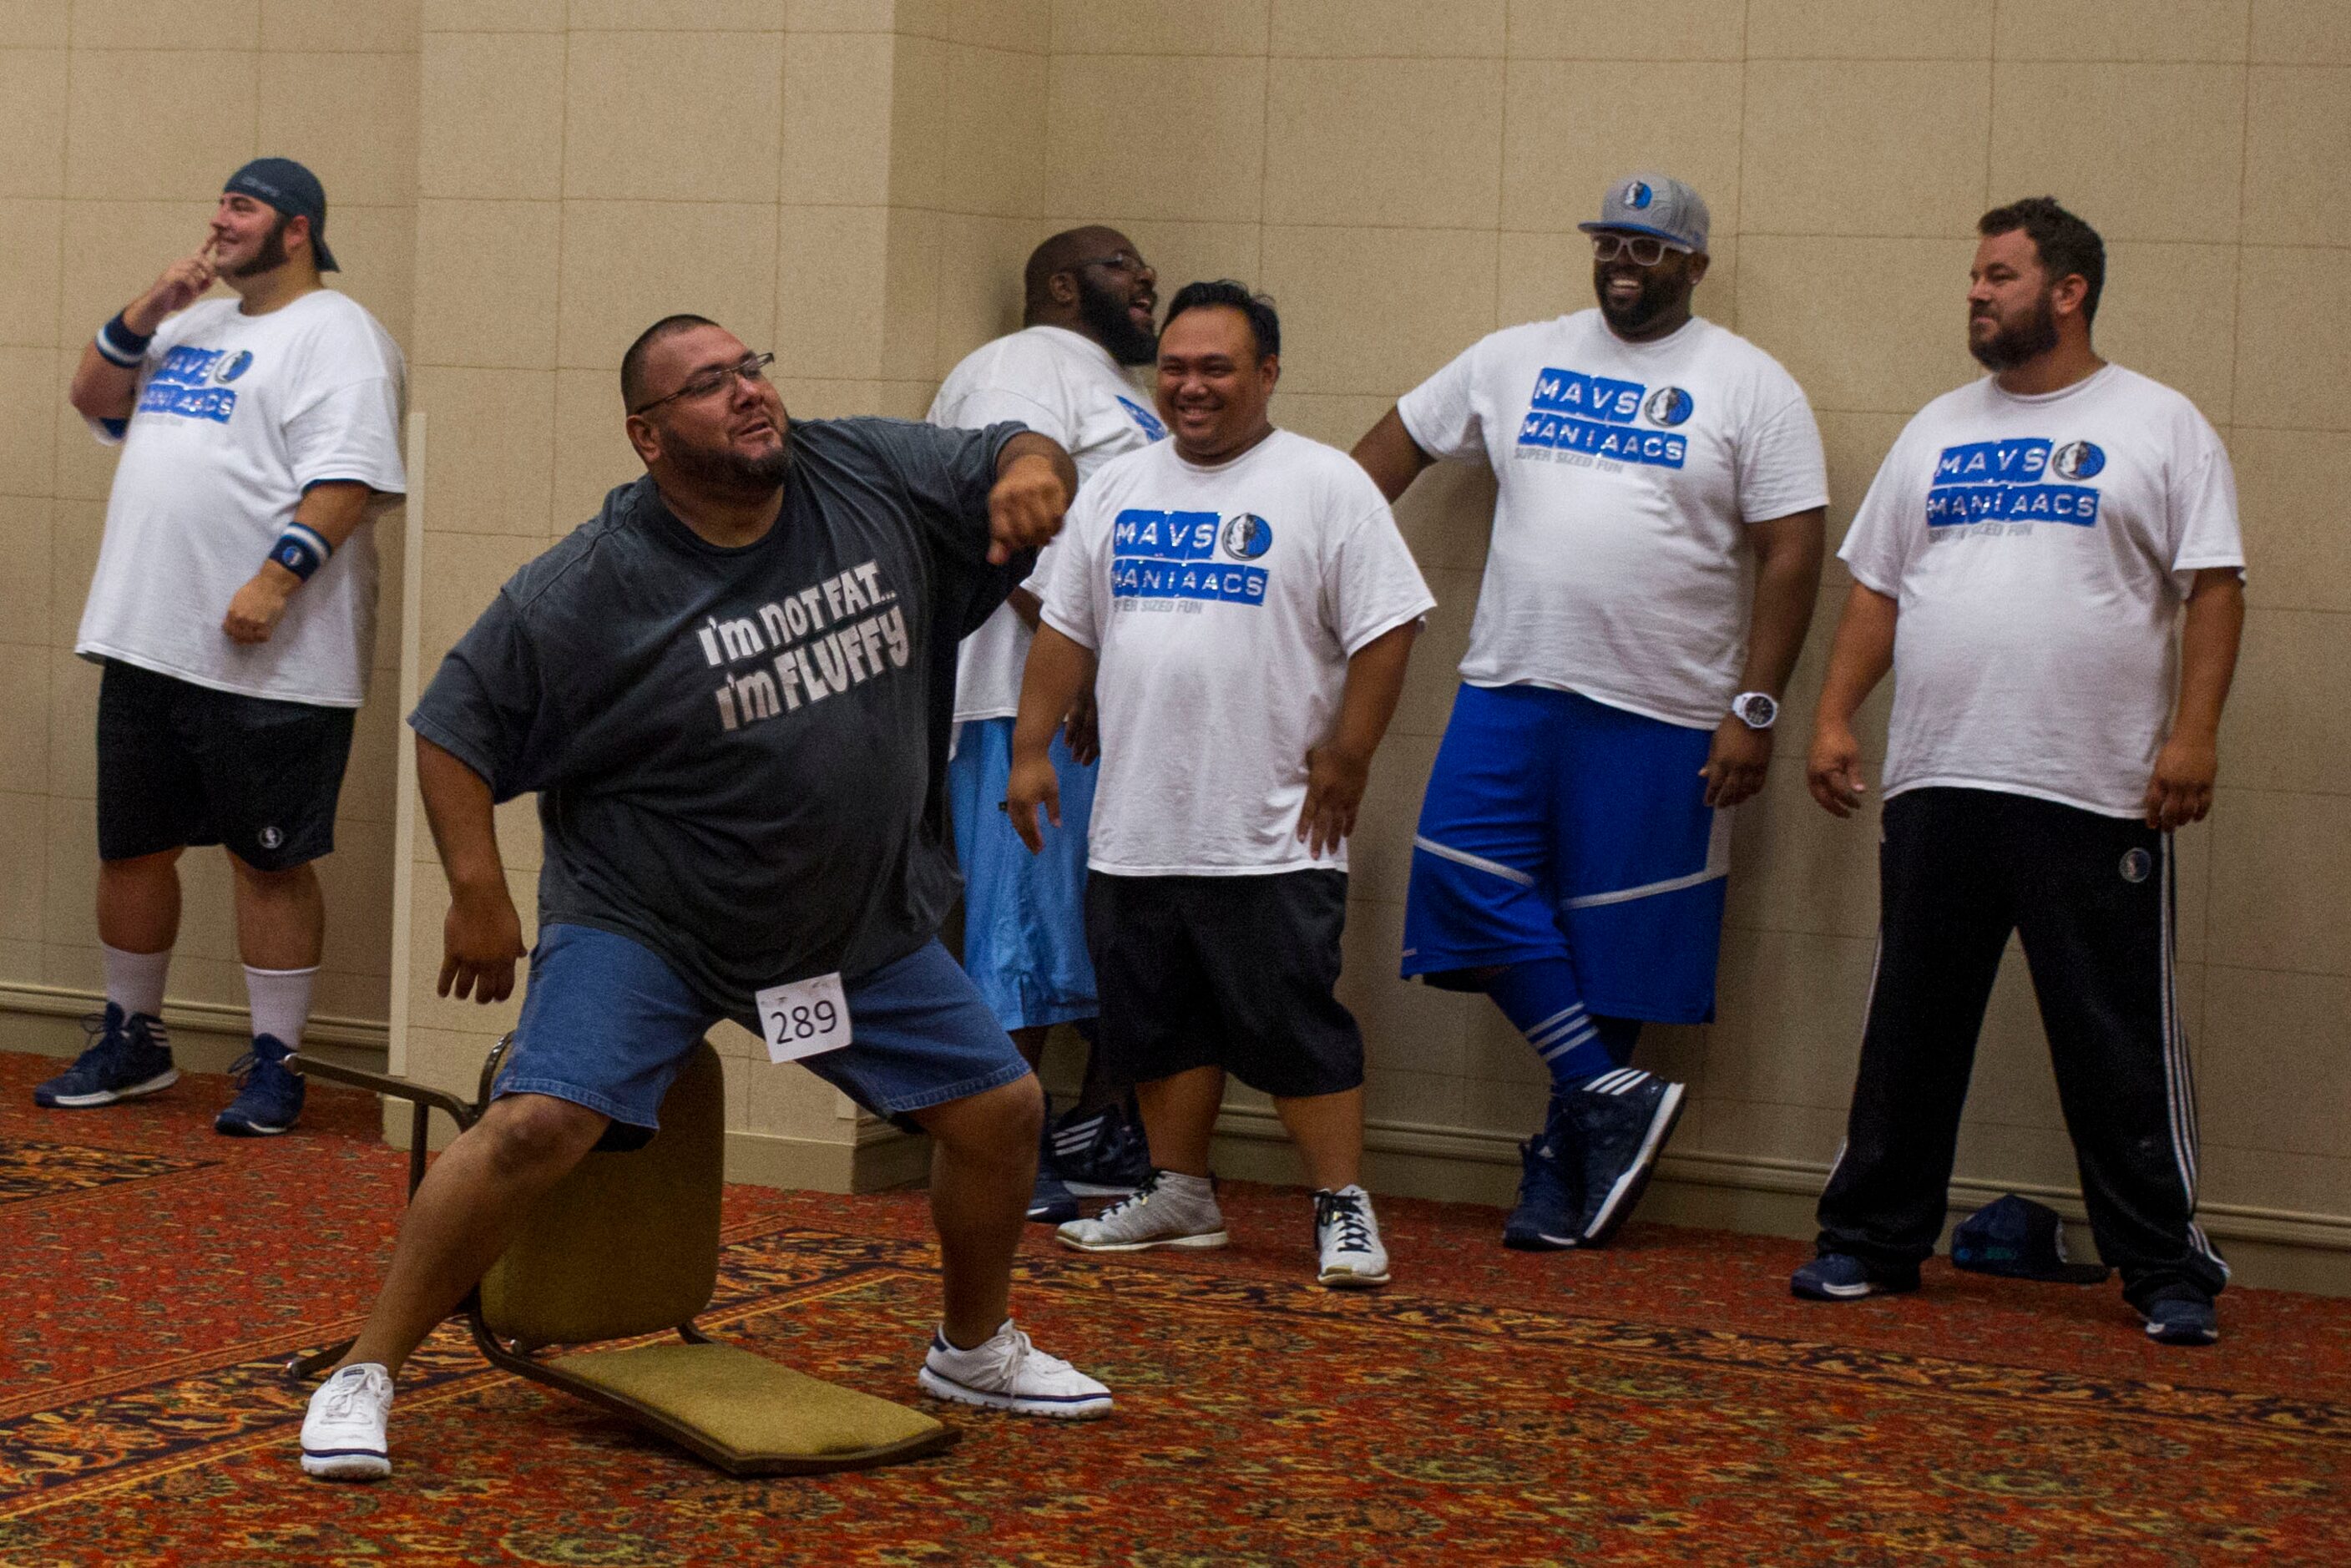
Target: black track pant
{"x":2092,"y":898}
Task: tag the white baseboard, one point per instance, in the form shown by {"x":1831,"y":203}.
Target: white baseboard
{"x":199,"y":1017}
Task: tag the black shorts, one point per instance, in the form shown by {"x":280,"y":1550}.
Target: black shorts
{"x":181,"y":764}
{"x":1234,"y":972}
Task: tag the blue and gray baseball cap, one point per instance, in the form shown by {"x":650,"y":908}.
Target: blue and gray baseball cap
{"x":1656,"y":204}
{"x":293,"y":191}
{"x":2021,"y":1239}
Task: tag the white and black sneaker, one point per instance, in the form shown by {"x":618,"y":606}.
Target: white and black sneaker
{"x":343,"y":1434}
{"x":1347,"y":1238}
{"x":1166,"y":1210}
{"x":1622,"y":1120}
{"x":1006,"y":1372}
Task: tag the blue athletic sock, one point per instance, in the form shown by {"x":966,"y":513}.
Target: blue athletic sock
{"x":1540,"y":998}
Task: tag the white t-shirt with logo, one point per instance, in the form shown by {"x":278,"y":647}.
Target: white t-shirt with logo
{"x":1224,"y":603}
{"x":2039,"y":549}
{"x":1060,"y":384}
{"x":1618,"y":568}
{"x":236,"y":416}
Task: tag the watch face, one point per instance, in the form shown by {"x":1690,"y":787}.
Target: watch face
{"x":1756,"y":710}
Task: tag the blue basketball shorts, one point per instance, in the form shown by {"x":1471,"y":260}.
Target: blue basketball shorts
{"x":1557,"y":826}
{"x":1024,"y":916}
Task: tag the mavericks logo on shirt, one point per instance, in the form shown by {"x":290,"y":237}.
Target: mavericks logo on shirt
{"x":1613,"y":421}
{"x":1144,"y":420}
{"x":1160,"y":558}
{"x":2009,"y":482}
{"x":184,"y":384}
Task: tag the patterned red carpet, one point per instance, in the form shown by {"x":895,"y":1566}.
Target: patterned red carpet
{"x":1662,"y":1402}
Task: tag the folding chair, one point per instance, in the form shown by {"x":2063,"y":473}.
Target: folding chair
{"x":627,"y":1245}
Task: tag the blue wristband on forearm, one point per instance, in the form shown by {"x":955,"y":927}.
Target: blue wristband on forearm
{"x":301,"y":550}
{"x":118,"y":345}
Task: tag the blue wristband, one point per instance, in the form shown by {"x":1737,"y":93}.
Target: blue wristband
{"x":118,"y":345}
{"x":301,"y":550}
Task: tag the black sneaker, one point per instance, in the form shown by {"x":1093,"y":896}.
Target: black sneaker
{"x":127,"y":1056}
{"x":1842,"y":1277}
{"x":2181,"y":1314}
{"x":1100,"y":1154}
{"x":1623,"y":1119}
{"x":1549,"y":1215}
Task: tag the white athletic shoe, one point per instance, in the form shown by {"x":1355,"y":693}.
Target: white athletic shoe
{"x":1166,"y":1210}
{"x":1347,"y":1234}
{"x":1007,"y":1372}
{"x":343,"y":1437}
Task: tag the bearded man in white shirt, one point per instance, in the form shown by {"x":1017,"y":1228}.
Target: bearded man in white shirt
{"x":2021,"y":563}
{"x":1657,"y":476}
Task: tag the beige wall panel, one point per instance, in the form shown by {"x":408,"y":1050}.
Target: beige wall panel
{"x":1334,"y":419}
{"x":1869,"y":29}
{"x":1433,"y":677}
{"x":1380,"y":856}
{"x":167,"y":25}
{"x":69,"y":893}
{"x":1447,"y":517}
{"x":2014,"y":1085}
{"x":36,"y":24}
{"x":679,"y":15}
{"x":113,"y":252}
{"x":465,"y":571}
{"x":1602,"y":30}
{"x":24,"y":724}
{"x":994,"y":149}
{"x":1180,"y":253}
{"x":391,"y":538}
{"x":1394,"y":30}
{"x":839,"y":15}
{"x":336,"y":994}
{"x":1411,"y":143}
{"x":490,"y":116}
{"x":493,"y":15}
{"x":2281,"y":882}
{"x":32,"y":238}
{"x":33,"y":122}
{"x":635,"y":262}
{"x":1096,"y":160}
{"x":2013,"y":1156}
{"x":377,"y":248}
{"x":910,"y":322}
{"x":76,"y":530}
{"x":2293,"y":338}
{"x":1854,"y":444}
{"x":371,"y":782}
{"x":73,"y":724}
{"x":1763,"y":1131}
{"x":24,"y":819}
{"x":1884,"y":348}
{"x":2170,"y":311}
{"x":1824,"y":156}
{"x":1160,"y":27}
{"x":918,"y":121}
{"x":28,"y":524}
{"x":2263,"y":1178}
{"x":1789,"y":1011}
{"x":493,"y":435}
{"x":521,"y":846}
{"x":681,"y":117}
{"x":1023,"y":25}
{"x":2081,"y":133}
{"x":1570,"y":131}
{"x":486,"y":283}
{"x":591,"y":446}
{"x":2298,"y":122}
{"x":2191,"y":848}
{"x":832,"y":272}
{"x":1794,"y":867}
{"x":980,"y":283}
{"x":2123,"y":30}
{"x":351,"y":119}
{"x":389,"y":25}
{"x":2265,"y":1033}
{"x":2300,"y":32}
{"x":211,"y":130}
{"x":2289,"y":486}
{"x":30,"y":389}
{"x":838,"y":105}
{"x":359,"y":917}
{"x":2288,"y":723}
{"x":1323,"y":276}
{"x":82,"y":464}
{"x":1425,"y":1099}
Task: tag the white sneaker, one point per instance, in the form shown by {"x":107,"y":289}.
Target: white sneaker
{"x":1347,"y":1234}
{"x":343,"y":1437}
{"x":1166,"y":1210}
{"x":1007,"y":1372}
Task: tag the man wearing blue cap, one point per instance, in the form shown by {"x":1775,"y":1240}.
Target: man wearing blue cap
{"x":233,"y":609}
{"x":1659,"y":476}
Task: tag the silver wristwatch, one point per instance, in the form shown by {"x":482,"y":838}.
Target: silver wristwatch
{"x":1756,"y":710}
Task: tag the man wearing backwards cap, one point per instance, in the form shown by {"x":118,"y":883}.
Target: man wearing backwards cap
{"x":232,"y":610}
{"x":1618,"y":695}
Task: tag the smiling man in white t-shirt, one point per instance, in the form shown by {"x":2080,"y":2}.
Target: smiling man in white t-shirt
{"x":2021,"y":564}
{"x":1655,"y":555}
{"x":1244,"y":604}
{"x":234,"y":609}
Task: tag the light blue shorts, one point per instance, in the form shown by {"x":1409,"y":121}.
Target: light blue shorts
{"x":607,"y":1024}
{"x":1024,"y":916}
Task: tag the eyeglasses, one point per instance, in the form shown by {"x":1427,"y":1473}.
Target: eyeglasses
{"x":1117,"y":261}
{"x":750,"y":368}
{"x":1642,"y":250}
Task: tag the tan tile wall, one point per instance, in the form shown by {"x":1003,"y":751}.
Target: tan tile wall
{"x":121,"y":121}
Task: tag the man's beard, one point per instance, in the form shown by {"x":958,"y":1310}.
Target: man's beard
{"x":1106,"y":313}
{"x":1657,"y":295}
{"x":2026,"y":337}
{"x":723,"y":468}
{"x":270,"y":256}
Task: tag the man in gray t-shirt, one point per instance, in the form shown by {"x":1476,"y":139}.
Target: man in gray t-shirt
{"x":731,"y":692}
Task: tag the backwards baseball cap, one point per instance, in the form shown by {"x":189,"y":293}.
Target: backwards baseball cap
{"x":2022,"y":1240}
{"x":293,"y":191}
{"x":1656,"y":204}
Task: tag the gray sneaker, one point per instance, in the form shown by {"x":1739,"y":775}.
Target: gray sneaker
{"x":1157,"y":1216}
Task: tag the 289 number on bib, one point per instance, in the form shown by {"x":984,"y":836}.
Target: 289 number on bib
{"x":804,"y":1018}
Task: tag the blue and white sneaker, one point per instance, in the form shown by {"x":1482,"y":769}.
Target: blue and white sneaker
{"x":129,"y":1055}
{"x":1548,"y":1217}
{"x":269,"y":1093}
{"x":1007,"y":1372}
{"x":1100,"y":1154}
{"x":2181,"y":1314}
{"x":1622,"y":1119}
{"x":1842,"y":1277}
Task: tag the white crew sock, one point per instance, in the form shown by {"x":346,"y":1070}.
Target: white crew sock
{"x":134,"y":981}
{"x":281,"y":999}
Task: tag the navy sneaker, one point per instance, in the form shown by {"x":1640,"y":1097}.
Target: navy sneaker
{"x":268,"y":1095}
{"x":1842,"y":1277}
{"x":1050,"y":1202}
{"x":1100,"y":1154}
{"x":1549,"y":1215}
{"x":1622,"y":1119}
{"x":127,"y":1056}
{"x":2181,"y":1314}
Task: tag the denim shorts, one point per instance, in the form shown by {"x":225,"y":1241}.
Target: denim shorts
{"x":607,"y":1024}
